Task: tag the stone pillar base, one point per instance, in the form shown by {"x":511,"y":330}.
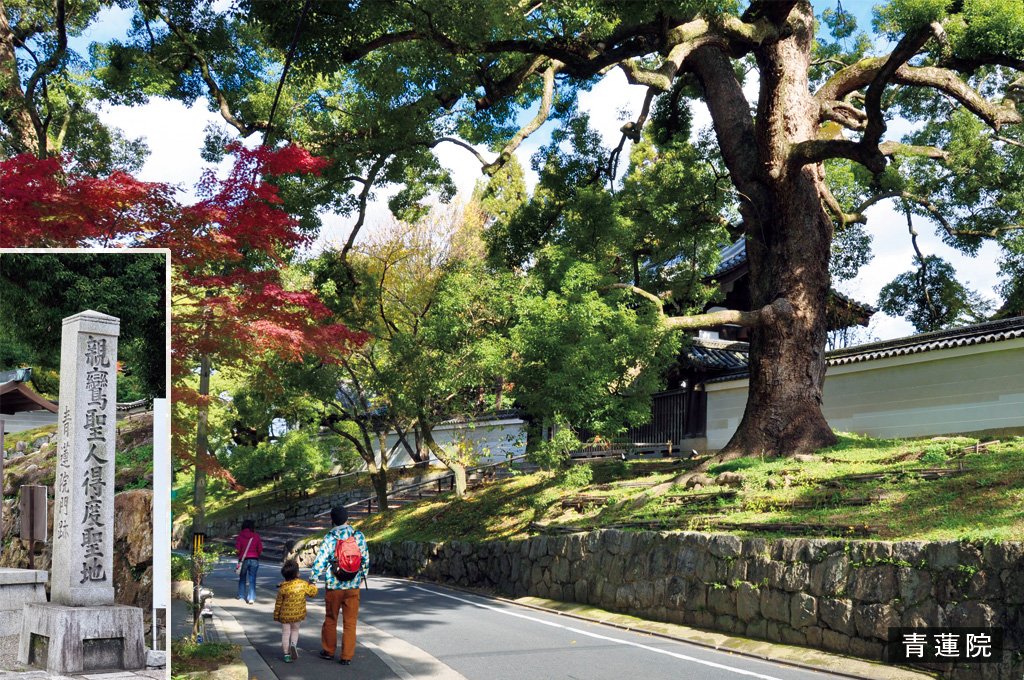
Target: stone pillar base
{"x":19,"y":587}
{"x":65,"y":639}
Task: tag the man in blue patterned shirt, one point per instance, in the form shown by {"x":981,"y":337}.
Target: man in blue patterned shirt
{"x":343,"y":595}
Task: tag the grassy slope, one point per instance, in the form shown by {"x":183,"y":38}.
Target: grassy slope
{"x":223,"y":502}
{"x":134,"y":460}
{"x":985,"y":503}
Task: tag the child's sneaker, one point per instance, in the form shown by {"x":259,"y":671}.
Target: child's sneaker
{"x":287,"y":658}
{"x":293,"y":652}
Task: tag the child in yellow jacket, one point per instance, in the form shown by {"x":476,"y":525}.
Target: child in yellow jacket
{"x":290,"y":608}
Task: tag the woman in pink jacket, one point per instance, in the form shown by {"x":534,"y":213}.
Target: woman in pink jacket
{"x":249,"y":547}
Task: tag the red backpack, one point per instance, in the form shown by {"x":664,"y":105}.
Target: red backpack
{"x":348,"y":561}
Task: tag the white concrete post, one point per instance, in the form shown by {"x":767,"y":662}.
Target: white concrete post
{"x":161,"y":516}
{"x":83,"y":534}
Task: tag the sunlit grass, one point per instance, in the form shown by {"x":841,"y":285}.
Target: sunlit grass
{"x":986,"y":502}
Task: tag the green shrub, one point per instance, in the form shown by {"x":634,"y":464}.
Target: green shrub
{"x":180,"y":568}
{"x":554,"y":452}
{"x":577,"y":476}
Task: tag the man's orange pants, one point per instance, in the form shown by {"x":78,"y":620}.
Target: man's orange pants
{"x":346,"y":600}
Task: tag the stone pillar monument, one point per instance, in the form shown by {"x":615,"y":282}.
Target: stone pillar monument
{"x":81,"y":628}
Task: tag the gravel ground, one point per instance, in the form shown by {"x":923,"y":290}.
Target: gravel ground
{"x":9,"y":652}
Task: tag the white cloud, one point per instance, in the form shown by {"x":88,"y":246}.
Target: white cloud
{"x":174,"y":134}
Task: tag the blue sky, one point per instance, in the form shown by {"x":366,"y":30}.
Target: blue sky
{"x":175,"y":134}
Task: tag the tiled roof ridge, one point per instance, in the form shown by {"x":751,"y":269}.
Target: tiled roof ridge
{"x":964,"y":336}
{"x":718,"y":343}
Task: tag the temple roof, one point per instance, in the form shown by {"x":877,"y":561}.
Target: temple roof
{"x":965,"y":336}
{"x":843,"y":311}
{"x":17,"y":397}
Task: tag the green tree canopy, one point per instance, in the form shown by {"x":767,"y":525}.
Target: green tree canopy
{"x":39,"y":290}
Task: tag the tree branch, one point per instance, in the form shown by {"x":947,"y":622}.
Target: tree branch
{"x":781,"y":308}
{"x":893,"y":148}
{"x":638,"y":291}
{"x":943,"y":80}
{"x":464,"y":145}
{"x":531,"y":127}
{"x":364,"y":195}
{"x":211,"y":83}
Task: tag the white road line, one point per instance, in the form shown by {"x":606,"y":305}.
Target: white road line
{"x":386,"y":658}
{"x":406,"y":660}
{"x":684,"y":657}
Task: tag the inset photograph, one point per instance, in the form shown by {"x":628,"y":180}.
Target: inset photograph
{"x":86,"y":462}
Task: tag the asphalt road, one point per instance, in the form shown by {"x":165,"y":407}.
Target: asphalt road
{"x":417,"y":631}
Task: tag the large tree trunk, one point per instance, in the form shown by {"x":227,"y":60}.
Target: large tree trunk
{"x":14,"y":109}
{"x":788,"y":235}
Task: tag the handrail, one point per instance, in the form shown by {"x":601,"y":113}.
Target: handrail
{"x":450,"y":477}
{"x":285,"y":490}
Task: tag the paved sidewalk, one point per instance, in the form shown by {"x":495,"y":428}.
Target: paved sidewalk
{"x":159,"y":674}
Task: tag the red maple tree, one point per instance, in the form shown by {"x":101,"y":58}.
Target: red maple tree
{"x":229,"y":303}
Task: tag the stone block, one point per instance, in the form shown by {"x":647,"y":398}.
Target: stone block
{"x":943,"y":555}
{"x":795,"y":577}
{"x":704,"y":619}
{"x":782,"y":549}
{"x":927,"y":614}
{"x":694,"y":538}
{"x":18,"y":587}
{"x":834,"y":641}
{"x":1006,"y":555}
{"x":915,"y":585}
{"x":612,"y":540}
{"x":748,"y":602}
{"x":837,"y":615}
{"x":971,"y":615}
{"x":725,"y":545}
{"x":829,"y":577}
{"x":736,"y":570}
{"x":911,"y":552}
{"x":66,"y":640}
{"x":867,"y":649}
{"x":686,"y":561}
{"x":156,"y":658}
{"x":775,"y":605}
{"x":753,"y":547}
{"x":813,"y":634}
{"x":804,"y":610}
{"x":1013,"y":585}
{"x":985,"y":585}
{"x":660,"y":561}
{"x":969,"y":556}
{"x":757,"y":569}
{"x":874,"y":620}
{"x":644,"y":594}
{"x":710,"y":569}
{"x":792,"y":637}
{"x":875,"y":551}
{"x":722,"y":601}
{"x":757,"y":629}
{"x":873,"y":584}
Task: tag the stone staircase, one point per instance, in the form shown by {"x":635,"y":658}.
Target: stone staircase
{"x":278,"y":540}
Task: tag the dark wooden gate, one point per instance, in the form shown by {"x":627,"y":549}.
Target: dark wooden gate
{"x":675,"y":415}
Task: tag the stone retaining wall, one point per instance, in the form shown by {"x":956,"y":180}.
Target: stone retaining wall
{"x":837,"y":595}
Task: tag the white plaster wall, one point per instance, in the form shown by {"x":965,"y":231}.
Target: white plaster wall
{"x":933,"y":393}
{"x":493,"y":440}
{"x":19,"y":422}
